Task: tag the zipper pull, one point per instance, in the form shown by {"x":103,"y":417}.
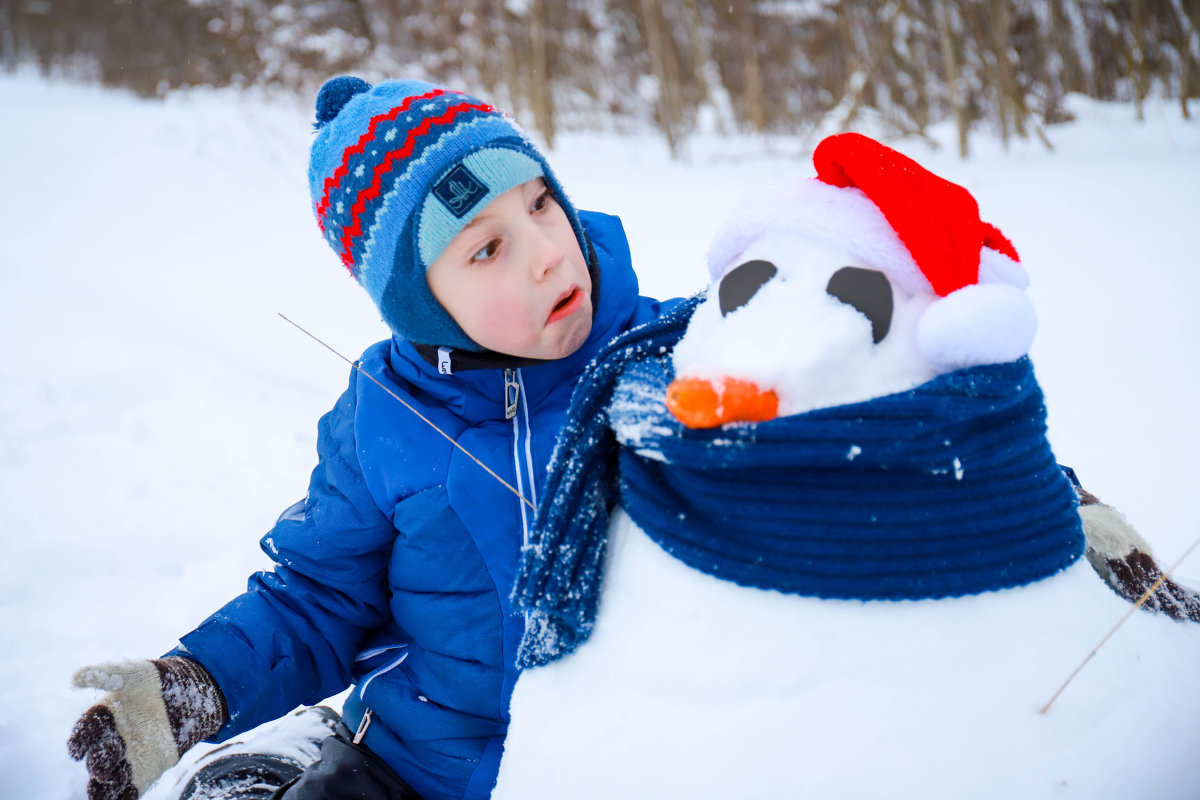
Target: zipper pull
{"x":362,"y":727}
{"x":512,"y":391}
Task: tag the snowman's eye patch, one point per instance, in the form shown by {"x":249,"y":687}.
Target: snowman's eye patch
{"x":869,"y":292}
{"x":743,"y":282}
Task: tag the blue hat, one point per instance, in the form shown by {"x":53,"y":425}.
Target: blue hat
{"x":396,"y":171}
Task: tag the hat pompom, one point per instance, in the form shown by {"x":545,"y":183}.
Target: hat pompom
{"x":334,"y":95}
{"x":984,"y":323}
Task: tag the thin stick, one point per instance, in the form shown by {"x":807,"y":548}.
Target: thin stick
{"x":407,"y":405}
{"x":1140,"y":601}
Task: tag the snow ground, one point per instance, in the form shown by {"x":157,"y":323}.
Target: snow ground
{"x":156,"y":414}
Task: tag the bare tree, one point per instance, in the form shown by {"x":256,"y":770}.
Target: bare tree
{"x":763,"y":65}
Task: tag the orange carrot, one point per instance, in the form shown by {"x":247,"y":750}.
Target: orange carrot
{"x":701,"y":403}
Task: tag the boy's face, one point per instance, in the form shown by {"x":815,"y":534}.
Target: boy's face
{"x":515,"y":279}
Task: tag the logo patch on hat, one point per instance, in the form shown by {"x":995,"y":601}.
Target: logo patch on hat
{"x":460,"y":191}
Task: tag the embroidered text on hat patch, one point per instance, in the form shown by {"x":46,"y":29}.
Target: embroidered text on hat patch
{"x":460,"y":191}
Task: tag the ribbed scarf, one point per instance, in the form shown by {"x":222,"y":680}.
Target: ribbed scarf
{"x":943,"y":490}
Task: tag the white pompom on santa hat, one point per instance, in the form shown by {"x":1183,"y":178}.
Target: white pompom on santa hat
{"x":922,"y":231}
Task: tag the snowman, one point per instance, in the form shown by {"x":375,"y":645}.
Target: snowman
{"x":841,"y":560}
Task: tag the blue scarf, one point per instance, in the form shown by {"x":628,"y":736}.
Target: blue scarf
{"x":943,"y":490}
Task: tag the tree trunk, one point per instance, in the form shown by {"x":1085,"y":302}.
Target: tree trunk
{"x":1009,"y":104}
{"x":954,"y":81}
{"x":878,"y":39}
{"x":375,"y":22}
{"x":8,"y":41}
{"x":541,"y":97}
{"x":751,"y":71}
{"x":1185,"y":28}
{"x":1193,"y":18}
{"x":477,"y":59}
{"x":1061,"y":42}
{"x":660,"y":46}
{"x":503,"y":24}
{"x":698,"y":49}
{"x":920,"y":112}
{"x":1141,"y":79}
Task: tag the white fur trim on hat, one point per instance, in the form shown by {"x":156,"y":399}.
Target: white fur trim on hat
{"x":995,"y":267}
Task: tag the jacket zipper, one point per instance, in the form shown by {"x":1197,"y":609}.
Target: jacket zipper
{"x":362,"y":727}
{"x":517,"y":409}
{"x":522,"y":467}
{"x":512,"y":393}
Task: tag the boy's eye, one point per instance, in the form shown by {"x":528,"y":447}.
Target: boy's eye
{"x":487,"y":251}
{"x":544,"y":199}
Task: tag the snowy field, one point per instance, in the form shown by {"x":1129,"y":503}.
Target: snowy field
{"x":156,"y":414}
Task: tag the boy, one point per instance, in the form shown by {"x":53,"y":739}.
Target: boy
{"x":394,"y":573}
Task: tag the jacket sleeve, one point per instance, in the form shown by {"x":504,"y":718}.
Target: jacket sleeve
{"x":292,"y":637}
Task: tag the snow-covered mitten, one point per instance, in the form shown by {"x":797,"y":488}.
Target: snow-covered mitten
{"x":1123,"y":559}
{"x":154,"y":712}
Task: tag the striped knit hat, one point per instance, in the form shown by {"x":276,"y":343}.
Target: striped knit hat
{"x":395,"y":172}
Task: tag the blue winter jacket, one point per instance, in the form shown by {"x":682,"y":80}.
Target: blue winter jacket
{"x":394,"y":573}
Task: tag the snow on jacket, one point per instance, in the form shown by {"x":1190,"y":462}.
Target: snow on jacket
{"x":394,"y":573}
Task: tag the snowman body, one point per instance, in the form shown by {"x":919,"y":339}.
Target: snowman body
{"x":697,"y":686}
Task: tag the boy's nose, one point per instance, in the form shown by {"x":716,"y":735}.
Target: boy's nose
{"x":547,"y":255}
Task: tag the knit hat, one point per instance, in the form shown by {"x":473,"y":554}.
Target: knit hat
{"x":921,"y":230}
{"x":396,"y":171}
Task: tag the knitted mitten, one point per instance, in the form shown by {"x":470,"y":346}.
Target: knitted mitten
{"x":154,"y":712}
{"x":1123,"y":559}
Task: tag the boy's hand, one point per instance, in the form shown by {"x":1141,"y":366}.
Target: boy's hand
{"x":154,"y":712}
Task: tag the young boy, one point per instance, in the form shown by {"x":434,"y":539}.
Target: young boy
{"x":393,"y":574}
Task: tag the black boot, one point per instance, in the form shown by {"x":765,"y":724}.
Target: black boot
{"x":240,"y":770}
{"x":347,"y":771}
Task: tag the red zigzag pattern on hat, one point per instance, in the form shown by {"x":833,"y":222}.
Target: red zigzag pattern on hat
{"x":334,"y":180}
{"x":354,"y":229}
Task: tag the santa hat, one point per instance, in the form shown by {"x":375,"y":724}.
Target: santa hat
{"x":922,"y":231}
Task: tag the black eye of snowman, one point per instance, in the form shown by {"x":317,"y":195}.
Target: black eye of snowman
{"x":743,"y":282}
{"x":869,"y":292}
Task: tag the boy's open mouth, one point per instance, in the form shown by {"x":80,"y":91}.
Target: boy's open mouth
{"x":566,"y":305}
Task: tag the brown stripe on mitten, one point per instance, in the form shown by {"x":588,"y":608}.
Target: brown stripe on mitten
{"x":1124,"y":560}
{"x":1137,"y":572}
{"x":195,"y":706}
{"x":95,"y":741}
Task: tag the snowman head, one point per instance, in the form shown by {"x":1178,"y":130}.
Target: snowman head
{"x":871,"y":278}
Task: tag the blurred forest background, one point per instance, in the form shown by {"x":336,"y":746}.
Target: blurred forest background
{"x":678,"y":66}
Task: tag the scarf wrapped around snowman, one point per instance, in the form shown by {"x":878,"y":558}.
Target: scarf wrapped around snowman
{"x":945,"y":488}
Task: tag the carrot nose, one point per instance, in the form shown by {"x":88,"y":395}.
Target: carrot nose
{"x":701,"y":403}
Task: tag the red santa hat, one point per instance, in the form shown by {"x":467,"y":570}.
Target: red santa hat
{"x":922,"y":231}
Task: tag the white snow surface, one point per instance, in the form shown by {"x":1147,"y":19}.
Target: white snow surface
{"x":156,"y":415}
